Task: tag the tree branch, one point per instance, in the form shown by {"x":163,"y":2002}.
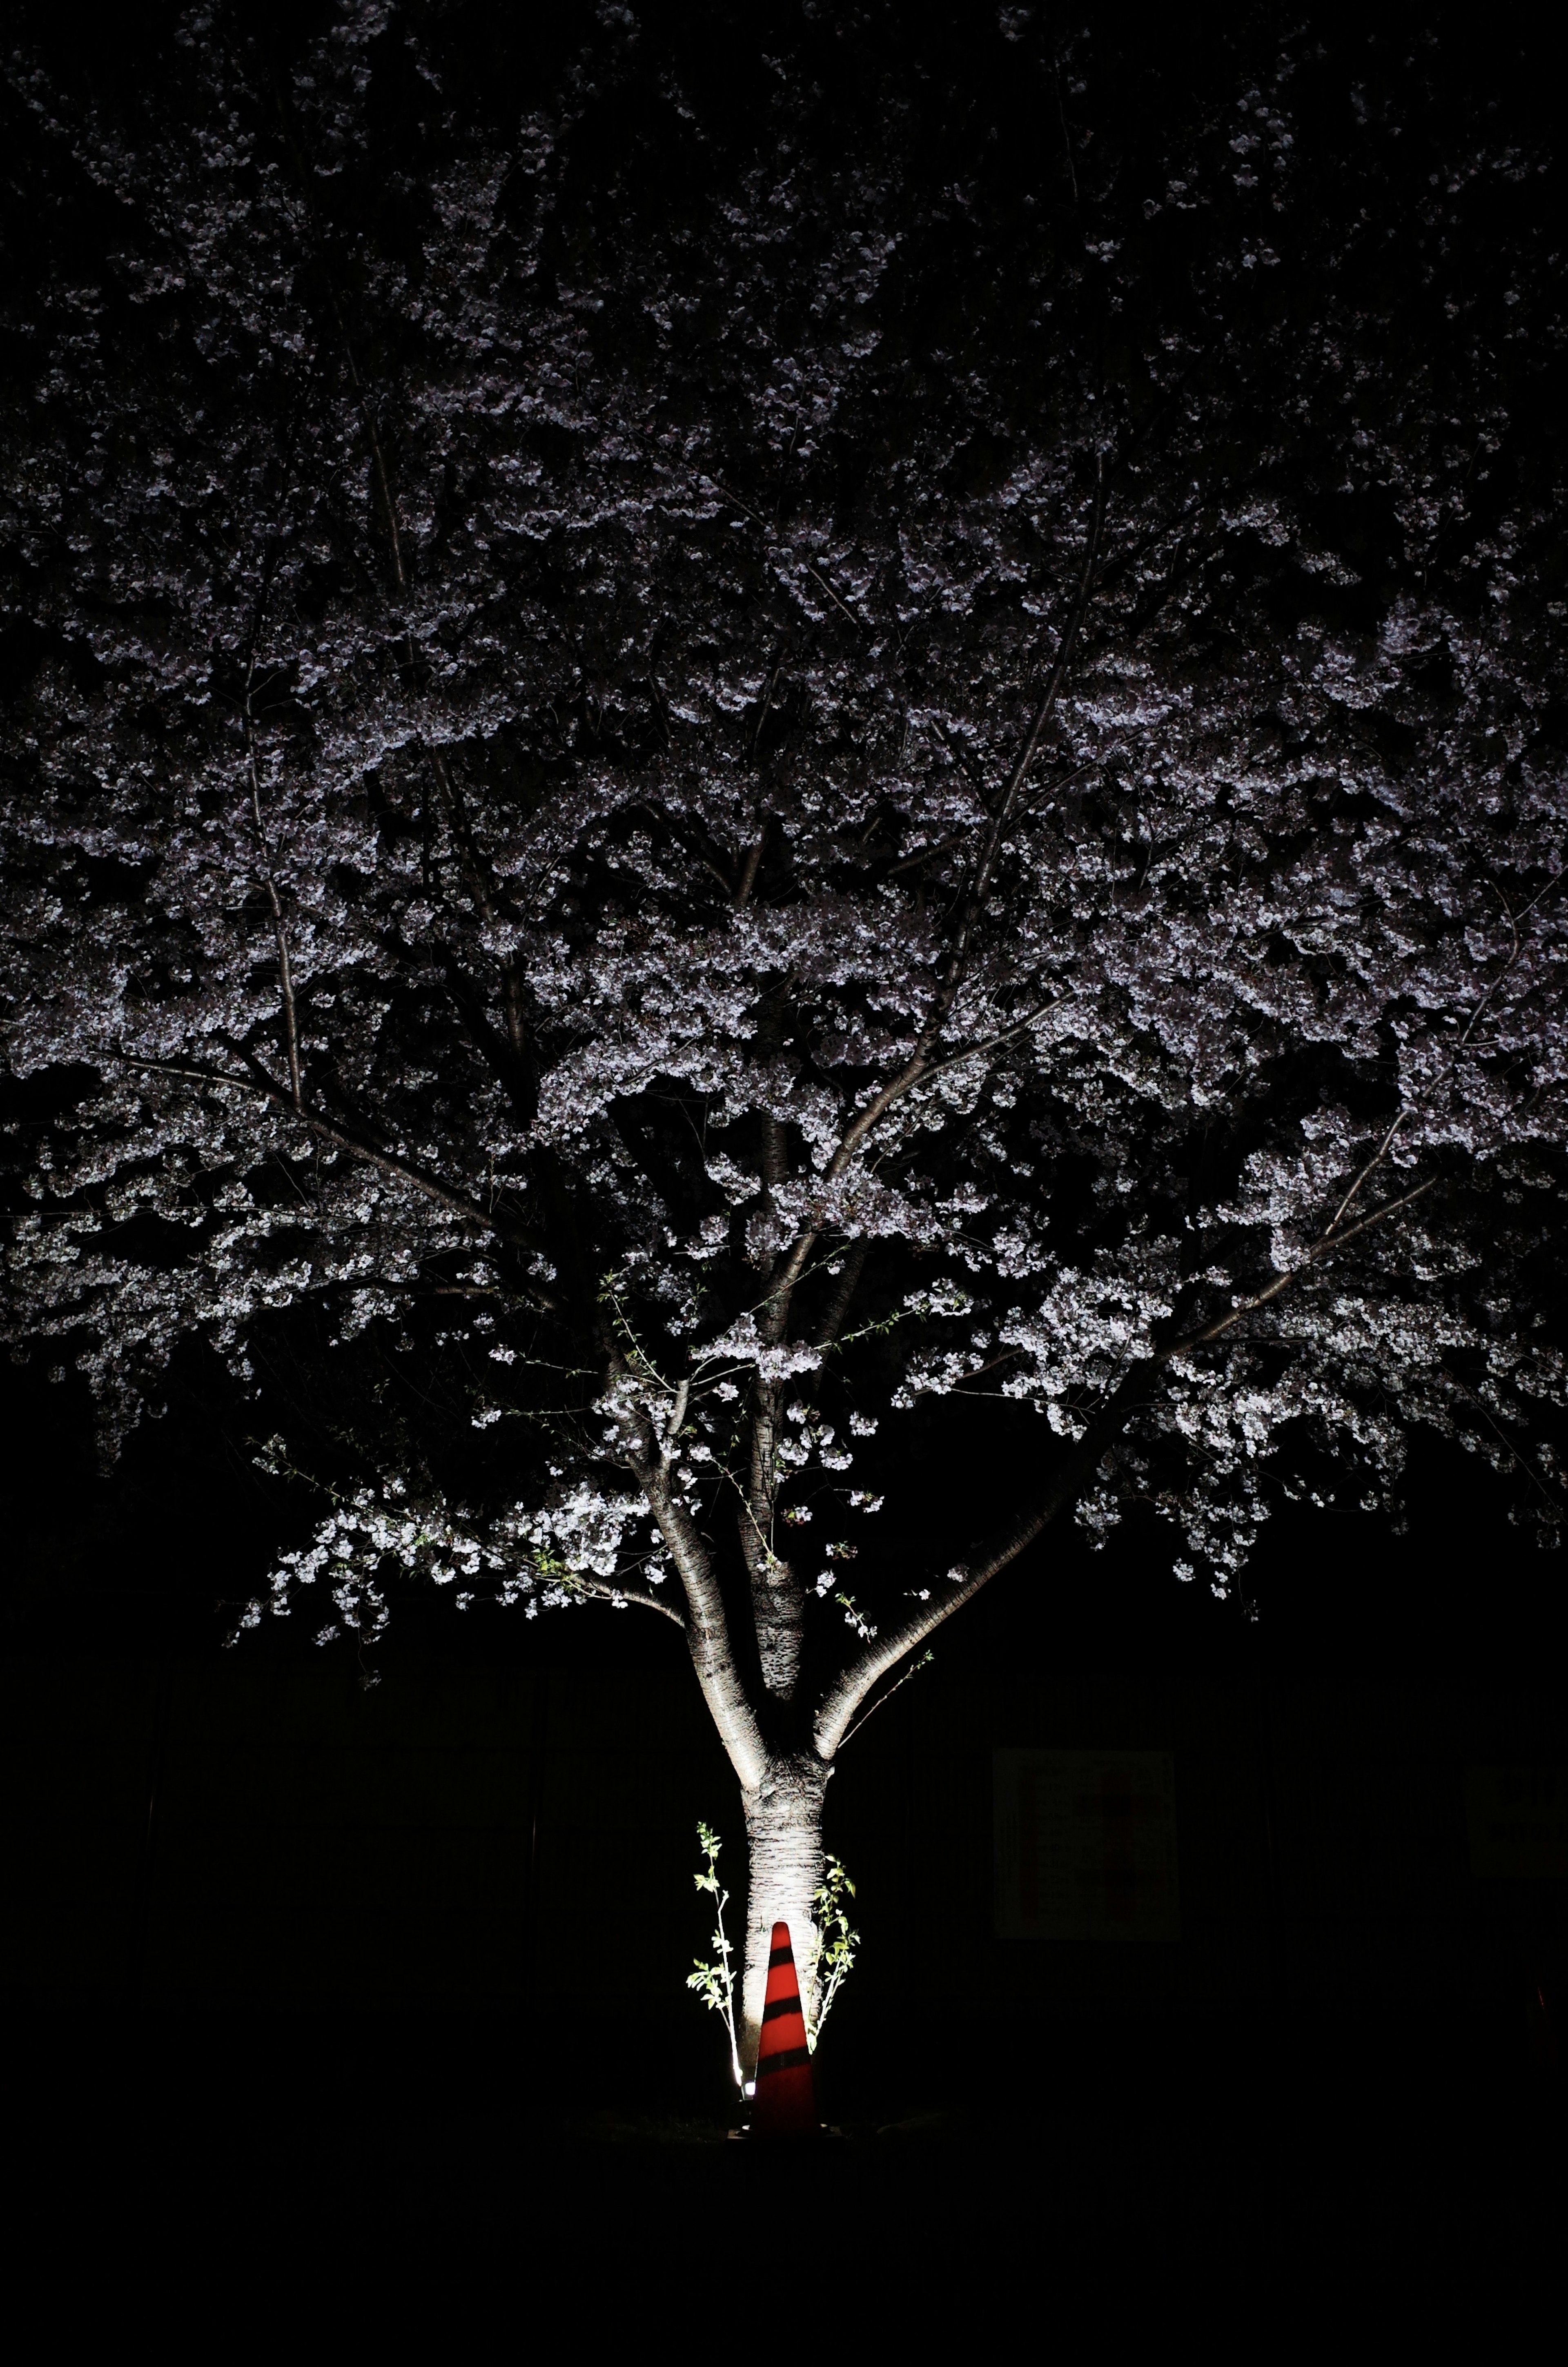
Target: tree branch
{"x":1376,"y":1160}
{"x":766,"y":708}
{"x":1555,"y":881}
{"x":481,"y":890}
{"x":850,"y":1688}
{"x":608,"y":1590}
{"x":753,"y":865}
{"x":883,"y":1698}
{"x":1080,"y":608}
{"x":497,"y":1221}
{"x":915,"y":1068}
{"x":706,"y":1625}
{"x":383,"y":482}
{"x":839,"y":1304}
{"x":1324,"y":1247}
{"x":678,"y":1415}
{"x":917,"y":1072}
{"x":286,"y":976}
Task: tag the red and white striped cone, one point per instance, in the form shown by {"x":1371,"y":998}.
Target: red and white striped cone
{"x":784,"y":2104}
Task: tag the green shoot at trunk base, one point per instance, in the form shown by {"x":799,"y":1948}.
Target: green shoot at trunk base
{"x":715,"y":1984}
{"x":837,"y":1944}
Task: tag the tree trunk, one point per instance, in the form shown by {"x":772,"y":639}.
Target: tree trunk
{"x":784,"y":1838}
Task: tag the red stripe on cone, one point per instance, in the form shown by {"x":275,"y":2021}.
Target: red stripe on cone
{"x":784,"y":2104}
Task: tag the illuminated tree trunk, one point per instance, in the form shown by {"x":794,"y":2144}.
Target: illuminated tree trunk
{"x":784,"y":1837}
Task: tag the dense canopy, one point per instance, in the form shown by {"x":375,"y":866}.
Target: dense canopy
{"x":714,"y":728}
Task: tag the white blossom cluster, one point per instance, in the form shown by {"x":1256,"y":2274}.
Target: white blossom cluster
{"x":546,"y":1556}
{"x":559,"y":749}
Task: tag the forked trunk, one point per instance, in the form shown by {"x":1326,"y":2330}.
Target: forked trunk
{"x":784,"y":1839}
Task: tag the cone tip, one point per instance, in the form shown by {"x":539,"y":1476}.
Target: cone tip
{"x":781,"y":1936}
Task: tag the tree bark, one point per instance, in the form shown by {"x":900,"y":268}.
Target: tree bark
{"x":784,"y":1818}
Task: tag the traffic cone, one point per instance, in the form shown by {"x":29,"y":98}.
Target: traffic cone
{"x":784,"y":2104}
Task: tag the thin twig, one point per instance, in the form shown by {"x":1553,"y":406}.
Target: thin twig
{"x":608,"y":1590}
{"x":1066,"y":136}
{"x":753,"y":863}
{"x":678,"y":1415}
{"x":1375,"y":1161}
{"x":975,"y":1051}
{"x":857,"y":1680}
{"x":883,"y":1698}
{"x":1555,"y":881}
{"x":377,"y":458}
{"x":736,"y":503}
{"x":1048,"y":699}
{"x":481,"y":888}
{"x":962,"y":756}
{"x":389,"y":1162}
{"x":286,"y":977}
{"x":826,"y":587}
{"x":1322,"y":1248}
{"x":943,"y":846}
{"x":1531,"y":1474}
{"x":767,"y":703}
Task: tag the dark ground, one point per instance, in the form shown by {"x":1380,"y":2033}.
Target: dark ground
{"x":1394,"y":2210}
{"x":1352,"y":2178}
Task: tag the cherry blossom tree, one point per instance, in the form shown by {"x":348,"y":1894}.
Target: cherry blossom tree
{"x":724,"y":732}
